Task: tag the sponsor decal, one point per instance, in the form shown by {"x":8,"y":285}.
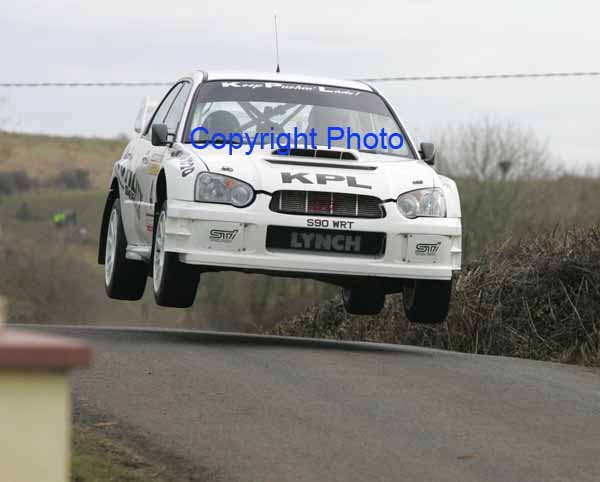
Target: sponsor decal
{"x":284,"y":86}
{"x":157,"y":157}
{"x":427,"y":249}
{"x":131,"y":186}
{"x":323,"y":179}
{"x":346,"y":243}
{"x":129,"y":183}
{"x":154,"y":168}
{"x":222,"y":235}
{"x":186,"y":166}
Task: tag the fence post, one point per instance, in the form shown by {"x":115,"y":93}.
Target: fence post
{"x":35,"y":403}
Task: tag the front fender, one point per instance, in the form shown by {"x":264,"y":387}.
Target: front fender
{"x":179,"y":172}
{"x":452,"y":197}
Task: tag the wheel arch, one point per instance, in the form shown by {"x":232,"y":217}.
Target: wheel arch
{"x":161,"y":190}
{"x":113,"y":194}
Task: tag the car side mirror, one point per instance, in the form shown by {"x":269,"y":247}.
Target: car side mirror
{"x":427,"y":153}
{"x":160,"y":135}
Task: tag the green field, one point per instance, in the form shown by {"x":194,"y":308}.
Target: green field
{"x":50,"y":275}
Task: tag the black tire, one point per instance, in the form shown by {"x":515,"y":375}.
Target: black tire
{"x":363,"y":300}
{"x":427,"y":301}
{"x":123,"y":279}
{"x":176,"y":283}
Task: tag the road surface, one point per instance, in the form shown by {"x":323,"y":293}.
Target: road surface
{"x":249,"y":408}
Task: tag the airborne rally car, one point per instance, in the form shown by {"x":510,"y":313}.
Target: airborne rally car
{"x":280,"y":175}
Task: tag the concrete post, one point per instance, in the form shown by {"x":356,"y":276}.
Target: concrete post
{"x":35,"y":404}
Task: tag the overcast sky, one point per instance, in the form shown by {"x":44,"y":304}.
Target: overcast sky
{"x":112,"y":40}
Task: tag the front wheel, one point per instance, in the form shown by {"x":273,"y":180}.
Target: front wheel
{"x":426,"y":301}
{"x":175,"y":283}
{"x":124,"y":279}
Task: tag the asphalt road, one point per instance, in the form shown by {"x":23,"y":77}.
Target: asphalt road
{"x":249,"y":408}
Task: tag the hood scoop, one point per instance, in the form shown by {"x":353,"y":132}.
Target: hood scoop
{"x":317,"y":154}
{"x":287,"y":158}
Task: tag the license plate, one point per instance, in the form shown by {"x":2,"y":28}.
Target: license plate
{"x":324,"y":240}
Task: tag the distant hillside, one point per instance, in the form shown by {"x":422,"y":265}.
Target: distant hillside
{"x":43,"y":157}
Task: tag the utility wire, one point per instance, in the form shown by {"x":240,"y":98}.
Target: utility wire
{"x":482,"y":76}
{"x":372,"y":79}
{"x":84,"y":84}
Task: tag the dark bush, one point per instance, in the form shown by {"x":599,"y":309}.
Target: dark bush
{"x":72,"y":179}
{"x":15,"y":181}
{"x":538,"y":298}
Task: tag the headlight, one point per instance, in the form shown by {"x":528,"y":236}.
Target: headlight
{"x":423,"y":203}
{"x":216,"y":188}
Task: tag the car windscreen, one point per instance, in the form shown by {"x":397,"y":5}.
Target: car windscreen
{"x":251,"y":107}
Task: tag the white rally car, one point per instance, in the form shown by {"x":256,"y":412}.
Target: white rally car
{"x":373,"y":221}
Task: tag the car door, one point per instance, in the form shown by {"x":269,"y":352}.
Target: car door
{"x":134,"y":204}
{"x":147,"y":177}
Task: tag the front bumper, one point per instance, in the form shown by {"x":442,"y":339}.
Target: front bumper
{"x":224,"y":236}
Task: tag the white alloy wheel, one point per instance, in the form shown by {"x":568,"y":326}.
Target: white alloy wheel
{"x":124,"y":279}
{"x":111,"y":246}
{"x":159,"y":253}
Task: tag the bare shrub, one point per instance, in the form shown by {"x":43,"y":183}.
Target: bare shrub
{"x":537,"y":298}
{"x":489,"y":149}
{"x":43,"y":156}
{"x":15,"y":181}
{"x":71,"y":179}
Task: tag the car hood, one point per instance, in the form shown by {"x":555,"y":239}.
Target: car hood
{"x":372,"y":174}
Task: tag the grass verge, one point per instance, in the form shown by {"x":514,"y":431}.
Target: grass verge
{"x":97,"y":458}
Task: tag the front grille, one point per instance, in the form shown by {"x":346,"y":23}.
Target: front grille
{"x":327,"y":204}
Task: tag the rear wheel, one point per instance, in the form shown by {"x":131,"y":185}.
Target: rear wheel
{"x":426,"y":301}
{"x":363,"y":300}
{"x":175,"y":283}
{"x":123,"y":279}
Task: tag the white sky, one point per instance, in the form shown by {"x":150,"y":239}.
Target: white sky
{"x":111,"y":40}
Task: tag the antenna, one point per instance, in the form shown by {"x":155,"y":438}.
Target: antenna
{"x":277,"y":70}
